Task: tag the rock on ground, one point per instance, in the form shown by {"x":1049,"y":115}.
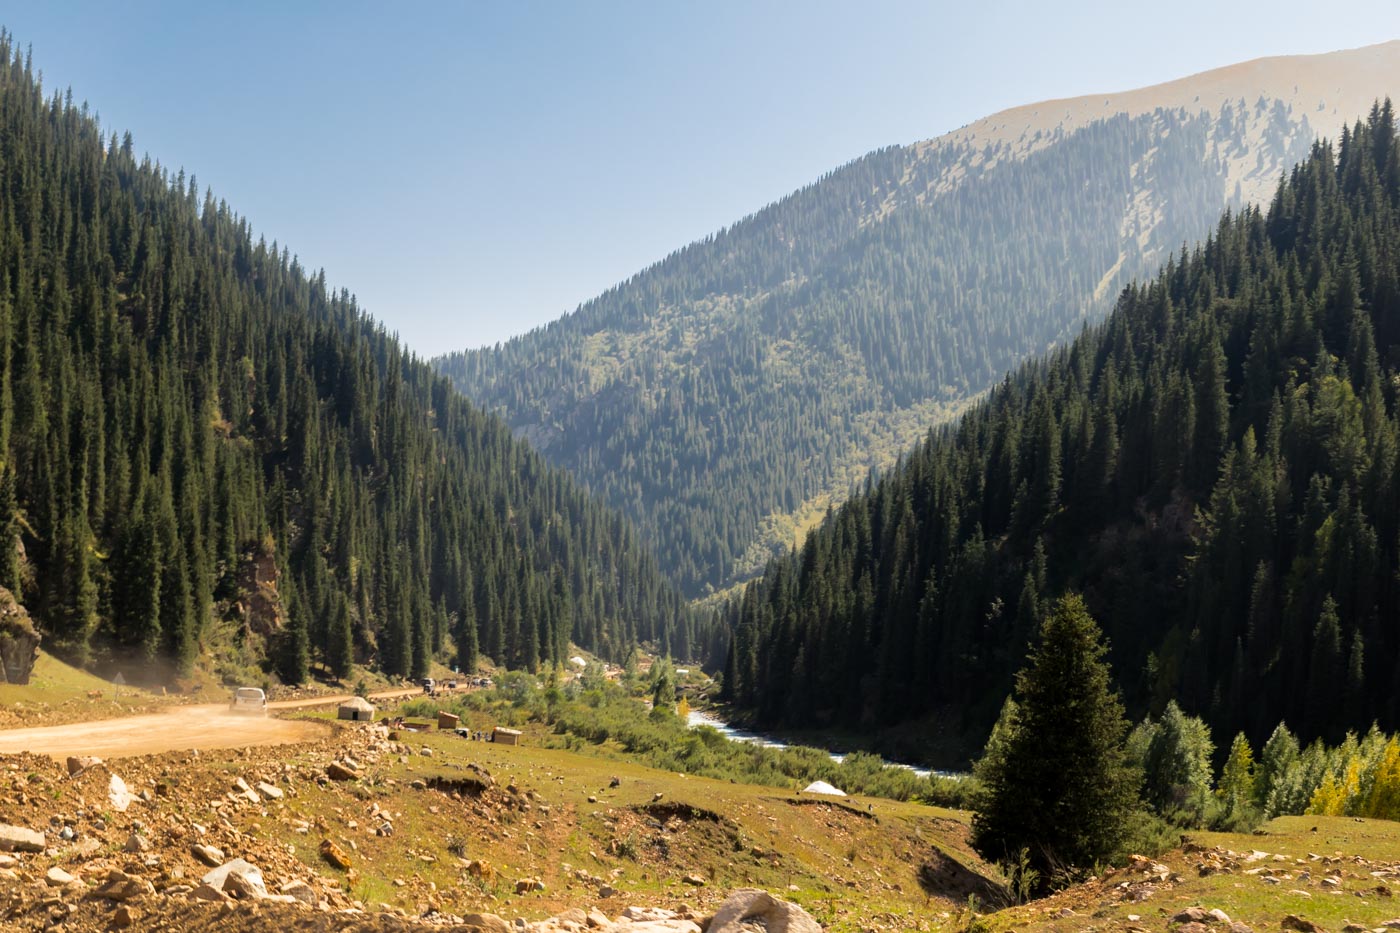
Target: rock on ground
{"x":751,"y":904}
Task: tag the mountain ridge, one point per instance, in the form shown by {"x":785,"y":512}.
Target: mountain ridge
{"x":724,"y":394}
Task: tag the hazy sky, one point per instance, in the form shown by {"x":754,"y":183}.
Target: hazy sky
{"x":473,"y":170}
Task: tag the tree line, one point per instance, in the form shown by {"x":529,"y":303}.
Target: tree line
{"x":180,"y":400}
{"x":1213,"y":467}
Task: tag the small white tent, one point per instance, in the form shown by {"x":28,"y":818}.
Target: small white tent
{"x":577,"y":661}
{"x":821,"y":787}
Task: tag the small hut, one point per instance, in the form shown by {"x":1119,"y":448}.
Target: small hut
{"x":503,"y":736}
{"x":447,"y":720}
{"x":356,"y":709}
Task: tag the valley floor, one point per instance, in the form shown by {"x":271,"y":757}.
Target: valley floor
{"x":429,"y":829}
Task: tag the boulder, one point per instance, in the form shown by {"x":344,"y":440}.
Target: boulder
{"x":219,"y":877}
{"x":269,"y":791}
{"x":677,"y":925}
{"x":774,"y":915}
{"x":339,"y":772}
{"x":137,"y":843}
{"x":527,"y":885}
{"x":484,"y":923}
{"x":124,"y":916}
{"x":245,"y":884}
{"x":19,"y":839}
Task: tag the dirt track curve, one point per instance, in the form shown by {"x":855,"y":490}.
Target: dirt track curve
{"x":180,"y":728}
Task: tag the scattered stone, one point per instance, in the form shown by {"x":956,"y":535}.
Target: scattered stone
{"x":120,"y":886}
{"x":485,"y":923}
{"x":774,"y":915}
{"x":615,"y":782}
{"x":56,"y":877}
{"x":1218,"y":916}
{"x":207,"y":892}
{"x":1191,"y":915}
{"x":527,"y":885}
{"x":269,"y":791}
{"x":1239,"y":927}
{"x":339,"y":772}
{"x":124,"y":916}
{"x":335,"y":855}
{"x":19,"y":839}
{"x":643,"y":914}
{"x":1293,"y":922}
{"x":207,"y":854}
{"x":301,"y":891}
{"x":77,"y":763}
{"x":117,"y":795}
{"x":695,"y":880}
{"x":607,"y":891}
{"x":596,"y":918}
{"x":137,"y":843}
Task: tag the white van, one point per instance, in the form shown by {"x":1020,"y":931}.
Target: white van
{"x":249,"y":700}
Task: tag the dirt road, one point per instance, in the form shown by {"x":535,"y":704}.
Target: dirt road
{"x":177,"y":729}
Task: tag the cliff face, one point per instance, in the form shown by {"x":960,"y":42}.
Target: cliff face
{"x":19,"y":641}
{"x":260,"y":605}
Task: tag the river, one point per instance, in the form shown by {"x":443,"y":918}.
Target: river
{"x":699,"y":718}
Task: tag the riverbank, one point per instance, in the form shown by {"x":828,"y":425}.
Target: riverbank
{"x":736,"y":734}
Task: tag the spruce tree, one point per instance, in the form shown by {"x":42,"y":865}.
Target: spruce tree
{"x":1060,"y":788}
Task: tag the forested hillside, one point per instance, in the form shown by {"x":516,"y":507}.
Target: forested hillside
{"x":726,"y":395}
{"x":204,"y":446}
{"x":1214,"y":467}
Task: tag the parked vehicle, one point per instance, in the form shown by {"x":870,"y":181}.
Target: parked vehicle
{"x":249,"y":700}
{"x":429,"y":686}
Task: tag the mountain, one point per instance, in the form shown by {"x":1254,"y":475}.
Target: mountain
{"x":1214,"y":467}
{"x":726,"y":396}
{"x":208,"y":453}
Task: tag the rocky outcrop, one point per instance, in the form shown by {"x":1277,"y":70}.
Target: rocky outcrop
{"x":19,"y":641}
{"x":260,"y":604}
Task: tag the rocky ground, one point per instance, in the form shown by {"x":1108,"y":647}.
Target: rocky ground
{"x":185,"y":841}
{"x":364,"y":828}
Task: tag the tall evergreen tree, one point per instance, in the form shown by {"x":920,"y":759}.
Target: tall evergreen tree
{"x":1061,"y":788}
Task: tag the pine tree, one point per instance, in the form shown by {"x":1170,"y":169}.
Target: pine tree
{"x":1238,"y":788}
{"x":340,"y":641}
{"x":1062,"y":789}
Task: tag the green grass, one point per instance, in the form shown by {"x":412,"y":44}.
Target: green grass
{"x":54,"y":684}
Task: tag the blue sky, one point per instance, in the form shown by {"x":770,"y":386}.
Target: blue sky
{"x":474,"y":170}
